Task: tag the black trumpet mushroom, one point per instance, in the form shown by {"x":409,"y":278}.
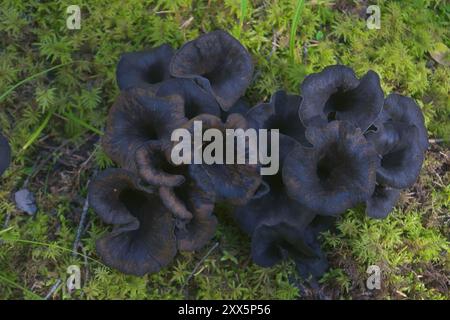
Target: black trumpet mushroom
{"x":398,"y":108}
{"x":144,"y":68}
{"x":138,"y":133}
{"x":143,"y":237}
{"x":401,"y":154}
{"x":218,"y":63}
{"x":400,"y":139}
{"x":280,"y":228}
{"x":382,"y":201}
{"x":195,"y":99}
{"x":195,"y":232}
{"x":336,"y":173}
{"x":150,"y":223}
{"x":336,"y":93}
{"x":5,"y":154}
{"x":312,"y":268}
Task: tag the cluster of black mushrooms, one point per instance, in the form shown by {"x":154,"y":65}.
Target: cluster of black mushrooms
{"x":341,"y":143}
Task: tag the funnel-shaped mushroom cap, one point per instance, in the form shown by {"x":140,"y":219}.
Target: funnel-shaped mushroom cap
{"x":402,"y":156}
{"x":273,"y":207}
{"x":271,"y":243}
{"x":193,"y":234}
{"x":276,"y":224}
{"x":138,"y":132}
{"x":235,"y":183}
{"x":385,"y":137}
{"x":5,"y":154}
{"x":218,"y":63}
{"x":192,"y":208}
{"x":403,"y":109}
{"x":334,"y":175}
{"x":195,"y":100}
{"x":382,"y":202}
{"x":280,"y":113}
{"x":315,"y":267}
{"x":140,"y":69}
{"x":142,"y":240}
{"x":336,"y":93}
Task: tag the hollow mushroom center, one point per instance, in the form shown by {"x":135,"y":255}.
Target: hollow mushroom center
{"x":338,"y":101}
{"x":154,"y":73}
{"x":334,"y":168}
{"x":276,"y":183}
{"x":214,"y":71}
{"x":393,"y":160}
{"x":215,"y":75}
{"x":143,"y":206}
{"x":288,"y":128}
{"x":134,"y":201}
{"x":147,"y":131}
{"x":192,"y":109}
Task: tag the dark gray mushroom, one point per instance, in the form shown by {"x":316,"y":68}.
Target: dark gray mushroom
{"x":398,"y":108}
{"x":195,"y":100}
{"x":335,"y":174}
{"x":276,"y":224}
{"x":141,"y":69}
{"x":336,"y":94}
{"x":143,"y":238}
{"x":218,"y":63}
{"x":398,"y":145}
{"x":194,"y":233}
{"x":382,"y":202}
{"x":138,"y":134}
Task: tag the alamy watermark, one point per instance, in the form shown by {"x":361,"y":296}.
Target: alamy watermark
{"x":251,"y":147}
{"x":374,"y":19}
{"x":73,"y":281}
{"x":374,"y":279}
{"x":73,"y":21}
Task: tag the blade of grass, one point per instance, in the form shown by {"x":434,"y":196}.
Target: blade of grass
{"x":69,"y":116}
{"x":18,"y":286}
{"x":244,"y":7}
{"x":5,"y":230}
{"x":38,"y":131}
{"x":295,"y":22}
{"x":18,"y":84}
